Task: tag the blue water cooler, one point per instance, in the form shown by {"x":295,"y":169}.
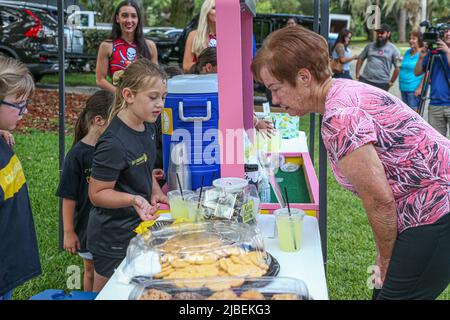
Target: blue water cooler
{"x":191,"y":116}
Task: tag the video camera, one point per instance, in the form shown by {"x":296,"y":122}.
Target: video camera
{"x":433,"y":33}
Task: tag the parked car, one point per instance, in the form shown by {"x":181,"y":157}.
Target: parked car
{"x":28,"y":33}
{"x":263,"y":25}
{"x":163,"y":43}
{"x":73,"y":38}
{"x":88,"y":20}
{"x":337,"y":23}
{"x":174,"y":33}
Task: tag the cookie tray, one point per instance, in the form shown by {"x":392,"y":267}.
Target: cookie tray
{"x":222,"y":288}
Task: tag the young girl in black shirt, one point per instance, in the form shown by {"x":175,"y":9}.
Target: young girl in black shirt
{"x":73,"y":186}
{"x":122,"y":188}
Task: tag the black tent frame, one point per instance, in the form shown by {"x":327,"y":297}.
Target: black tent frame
{"x":321,"y":25}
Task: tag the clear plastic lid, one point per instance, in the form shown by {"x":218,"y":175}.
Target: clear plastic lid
{"x":231,"y":185}
{"x":292,"y":212}
{"x":289,"y":167}
{"x":205,"y":236}
{"x":203,"y":249}
{"x":222,"y":288}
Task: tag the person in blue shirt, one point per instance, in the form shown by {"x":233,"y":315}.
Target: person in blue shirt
{"x":439,"y":109}
{"x":410,"y":84}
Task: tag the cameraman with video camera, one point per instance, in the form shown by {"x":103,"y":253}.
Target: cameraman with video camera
{"x":439,"y":109}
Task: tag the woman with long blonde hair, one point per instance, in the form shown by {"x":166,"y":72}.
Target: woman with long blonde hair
{"x":203,"y":37}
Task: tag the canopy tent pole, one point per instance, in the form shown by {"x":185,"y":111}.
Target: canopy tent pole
{"x":62,"y":106}
{"x":234,"y":29}
{"x":312,"y":116}
{"x":324,"y":28}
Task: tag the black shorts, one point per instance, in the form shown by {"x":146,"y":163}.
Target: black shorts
{"x":106,"y":266}
{"x":420,"y":264}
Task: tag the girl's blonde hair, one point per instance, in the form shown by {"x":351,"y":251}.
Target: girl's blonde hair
{"x":139,"y":75}
{"x":15,"y":79}
{"x":201,"y":38}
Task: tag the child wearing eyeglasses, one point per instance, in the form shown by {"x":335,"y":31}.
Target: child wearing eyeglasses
{"x":19,"y":255}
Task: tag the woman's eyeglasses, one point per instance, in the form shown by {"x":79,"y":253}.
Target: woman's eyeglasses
{"x":22,"y":107}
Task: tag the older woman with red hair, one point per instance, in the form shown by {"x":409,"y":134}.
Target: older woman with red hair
{"x":382,"y":151}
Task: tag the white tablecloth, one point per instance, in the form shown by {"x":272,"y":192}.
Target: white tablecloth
{"x":306,"y":264}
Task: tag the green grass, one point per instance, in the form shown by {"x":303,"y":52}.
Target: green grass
{"x":350,"y":244}
{"x":38,"y":153}
{"x":71,"y":79}
{"x":360,"y":39}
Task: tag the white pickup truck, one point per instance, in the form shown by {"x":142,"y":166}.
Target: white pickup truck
{"x":88,"y":20}
{"x":337,"y":23}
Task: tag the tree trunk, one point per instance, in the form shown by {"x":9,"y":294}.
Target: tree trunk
{"x":423,"y":13}
{"x":402,"y":26}
{"x":181,"y":12}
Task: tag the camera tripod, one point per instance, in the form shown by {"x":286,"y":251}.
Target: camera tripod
{"x":434,"y":54}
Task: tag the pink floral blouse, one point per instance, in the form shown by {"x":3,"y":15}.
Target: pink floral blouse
{"x":415,"y":157}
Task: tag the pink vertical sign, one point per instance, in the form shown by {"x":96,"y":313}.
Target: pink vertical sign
{"x":234,"y":54}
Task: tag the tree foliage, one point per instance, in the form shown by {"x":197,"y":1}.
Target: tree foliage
{"x":438,"y":9}
{"x":178,"y":12}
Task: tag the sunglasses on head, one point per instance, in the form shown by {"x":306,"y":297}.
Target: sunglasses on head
{"x":22,"y":107}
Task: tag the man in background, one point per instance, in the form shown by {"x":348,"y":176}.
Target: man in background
{"x":381,"y":56}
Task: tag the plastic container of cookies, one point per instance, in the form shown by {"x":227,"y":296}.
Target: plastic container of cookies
{"x":222,"y":288}
{"x":199,"y":250}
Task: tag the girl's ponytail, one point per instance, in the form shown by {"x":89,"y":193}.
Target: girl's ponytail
{"x":194,"y":69}
{"x":118,"y":104}
{"x":81,"y":127}
{"x":99,"y":104}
